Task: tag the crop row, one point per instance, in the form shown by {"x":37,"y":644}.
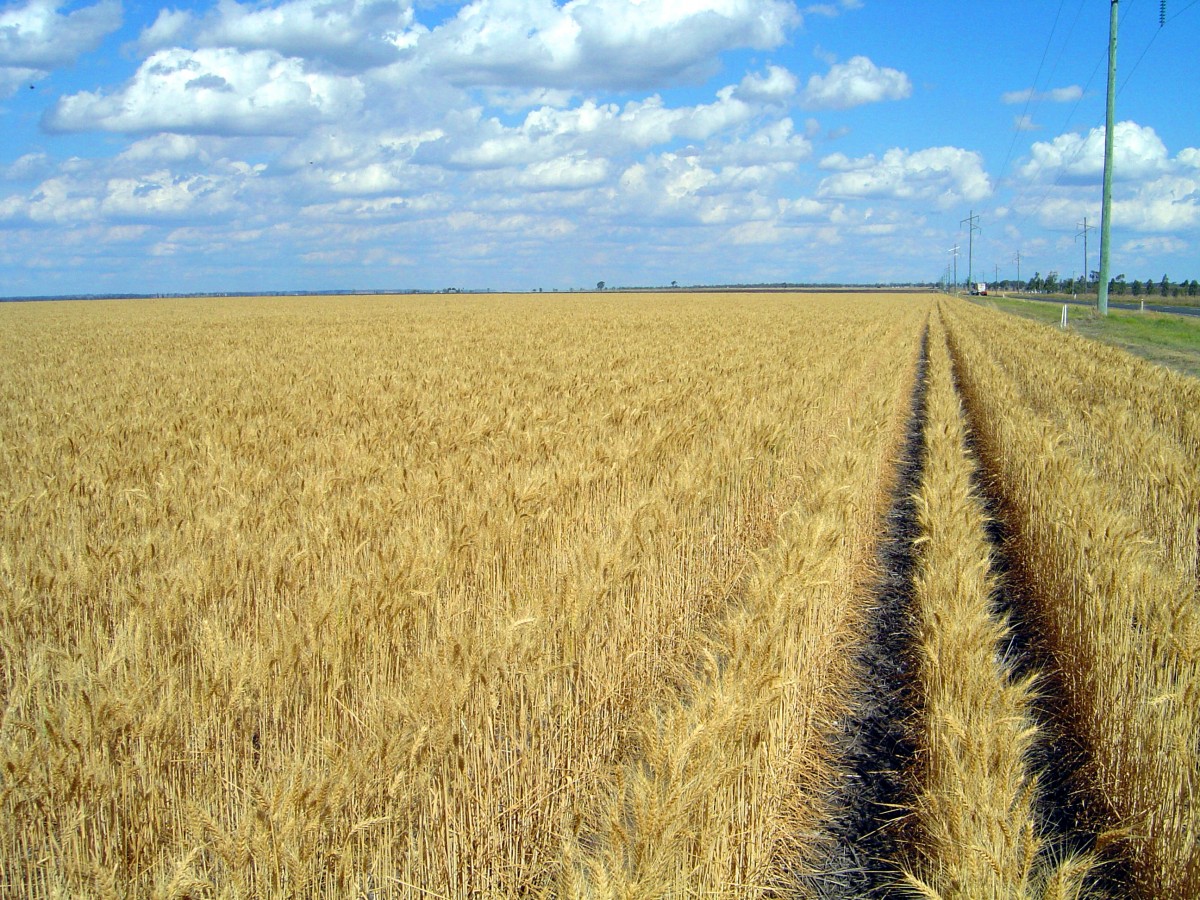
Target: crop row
{"x":1102,"y":506}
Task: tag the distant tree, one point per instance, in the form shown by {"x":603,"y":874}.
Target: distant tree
{"x":674,"y":284}
{"x":1193,"y":288}
{"x":1051,"y":283}
{"x":599,"y":285}
{"x":1122,"y":287}
{"x":1136,"y":288}
{"x":1035,"y":283}
{"x":1164,"y":286}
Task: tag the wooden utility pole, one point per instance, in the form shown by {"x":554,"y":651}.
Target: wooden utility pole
{"x":1106,"y":205}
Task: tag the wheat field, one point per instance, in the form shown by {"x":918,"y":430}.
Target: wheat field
{"x":559,"y":595}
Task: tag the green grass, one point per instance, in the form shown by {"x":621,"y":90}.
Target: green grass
{"x":1169,"y":340}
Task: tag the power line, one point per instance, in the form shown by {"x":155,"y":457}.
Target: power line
{"x":1033,"y":90}
{"x":1149,"y":44}
{"x":1065,"y":165}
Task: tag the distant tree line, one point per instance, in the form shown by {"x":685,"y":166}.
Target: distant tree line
{"x":1118,"y":287}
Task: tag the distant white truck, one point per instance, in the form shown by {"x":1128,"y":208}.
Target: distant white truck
{"x":980,"y":289}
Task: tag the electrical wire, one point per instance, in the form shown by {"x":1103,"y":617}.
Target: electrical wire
{"x":1153,"y":38}
{"x":1065,"y":165}
{"x":1182,"y":11}
{"x":1033,"y":90}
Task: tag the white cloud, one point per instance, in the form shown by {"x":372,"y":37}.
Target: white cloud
{"x":830,"y":10}
{"x":213,"y":91}
{"x":1189,"y":156}
{"x":163,"y":148}
{"x":1154,"y":246}
{"x":564,"y":173}
{"x":163,"y":195}
{"x":1055,"y":95}
{"x":854,"y":83}
{"x":603,"y":129}
{"x":13,"y":78}
{"x":27,"y":167}
{"x":600,"y":43}
{"x":36,"y":35}
{"x":1025,"y":123}
{"x":35,"y":38}
{"x":684,"y":189}
{"x":1138,"y":153}
{"x":169,"y":29}
{"x":97,"y":194}
{"x":1168,"y":203}
{"x":777,"y":86}
{"x":60,"y":200}
{"x":355,"y":34}
{"x":945,"y":175}
{"x":804,"y":209}
{"x":773,"y":143}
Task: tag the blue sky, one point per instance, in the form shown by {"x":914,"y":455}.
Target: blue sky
{"x":519,"y":144}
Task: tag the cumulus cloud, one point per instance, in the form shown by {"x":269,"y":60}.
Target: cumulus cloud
{"x":1152,"y":193}
{"x":36,"y":38}
{"x":355,"y":34}
{"x":776,"y":85}
{"x":1156,"y":246}
{"x":1055,"y":95}
{"x":1138,"y":153}
{"x":600,"y":43}
{"x":687,"y":189}
{"x":36,"y":35}
{"x":88,"y":193}
{"x":1189,"y":156}
{"x":163,"y":148}
{"x":163,"y":195}
{"x":945,"y":175}
{"x":27,"y":167}
{"x":213,"y":91}
{"x":13,"y":78}
{"x":564,"y":173}
{"x":1164,"y":204}
{"x":774,"y":143}
{"x":604,"y":129}
{"x":855,"y":83}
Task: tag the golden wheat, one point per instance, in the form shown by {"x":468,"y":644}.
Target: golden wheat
{"x":1121,"y":620}
{"x":387,"y":595}
{"x":556,"y":596}
{"x":975,"y":800}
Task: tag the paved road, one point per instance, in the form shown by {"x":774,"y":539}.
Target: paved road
{"x":1153,"y":307}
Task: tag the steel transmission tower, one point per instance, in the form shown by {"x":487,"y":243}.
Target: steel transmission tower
{"x":1084,"y":228}
{"x":971,"y":221}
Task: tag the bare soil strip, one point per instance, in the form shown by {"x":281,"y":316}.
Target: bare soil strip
{"x":877,"y":746}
